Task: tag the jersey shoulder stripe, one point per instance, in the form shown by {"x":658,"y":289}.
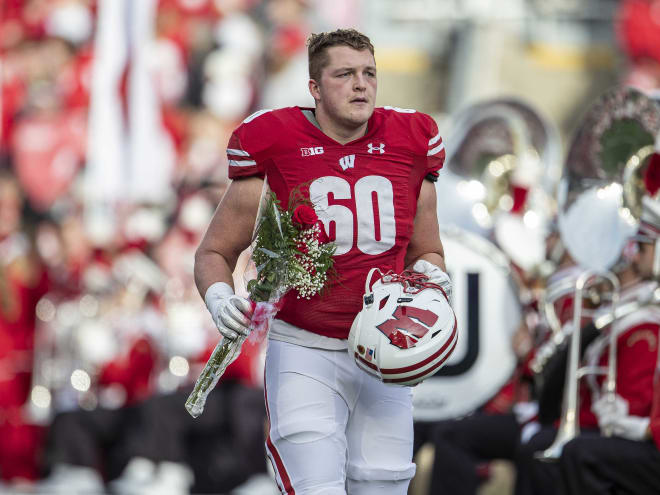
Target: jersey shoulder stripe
{"x":235,"y":152}
{"x":400,"y":110}
{"x":246,"y":163}
{"x":238,"y":157}
{"x":256,"y":114}
{"x":436,"y":150}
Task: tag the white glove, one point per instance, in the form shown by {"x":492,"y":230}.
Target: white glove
{"x":613,"y":416}
{"x":436,"y":275}
{"x":231,"y":313}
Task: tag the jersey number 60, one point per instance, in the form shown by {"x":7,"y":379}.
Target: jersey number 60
{"x":370,"y":205}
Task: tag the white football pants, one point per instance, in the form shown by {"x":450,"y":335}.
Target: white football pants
{"x":335,"y":429}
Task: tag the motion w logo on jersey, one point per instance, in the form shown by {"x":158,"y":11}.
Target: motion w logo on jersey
{"x":347,"y":161}
{"x":402,"y":330}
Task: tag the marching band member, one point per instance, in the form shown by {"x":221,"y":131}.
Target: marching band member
{"x":223,"y":448}
{"x":119,"y":353}
{"x":602,"y":170}
{"x":496,"y":135}
{"x":636,"y":359}
{"x":629,"y":460}
{"x":23,"y":281}
{"x":464,"y":445}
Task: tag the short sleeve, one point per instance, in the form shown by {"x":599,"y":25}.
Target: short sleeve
{"x":435,"y":151}
{"x":249,"y":145}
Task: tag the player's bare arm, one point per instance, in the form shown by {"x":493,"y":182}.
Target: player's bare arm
{"x":425,"y":242}
{"x":228,"y":234}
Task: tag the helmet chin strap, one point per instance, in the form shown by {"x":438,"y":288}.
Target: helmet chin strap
{"x":656,"y":260}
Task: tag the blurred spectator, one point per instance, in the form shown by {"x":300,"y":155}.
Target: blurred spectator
{"x":142,"y":350}
{"x":104,"y":340}
{"x":231,"y":70}
{"x":287,"y":69}
{"x":22,"y":282}
{"x":47,"y":149}
{"x":203,"y":156}
{"x":638,"y":31}
{"x":121,"y":332}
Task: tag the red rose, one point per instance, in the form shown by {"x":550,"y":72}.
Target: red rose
{"x":322,"y":235}
{"x":305,"y":216}
{"x":652,"y":174}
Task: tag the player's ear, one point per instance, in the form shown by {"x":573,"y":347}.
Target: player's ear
{"x":314,"y":89}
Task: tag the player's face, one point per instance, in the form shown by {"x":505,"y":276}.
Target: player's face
{"x":347,"y":89}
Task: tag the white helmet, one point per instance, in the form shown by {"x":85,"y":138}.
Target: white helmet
{"x":406,"y":329}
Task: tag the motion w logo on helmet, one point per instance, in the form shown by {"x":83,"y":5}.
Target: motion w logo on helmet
{"x":402,"y":330}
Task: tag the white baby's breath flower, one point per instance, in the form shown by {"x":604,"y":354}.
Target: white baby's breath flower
{"x":309,"y":276}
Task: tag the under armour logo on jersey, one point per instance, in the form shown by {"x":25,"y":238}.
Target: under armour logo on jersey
{"x":347,"y":161}
{"x":380,"y":148}
{"x":318,"y":150}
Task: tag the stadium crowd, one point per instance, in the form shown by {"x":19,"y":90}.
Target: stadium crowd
{"x":102,"y":331}
{"x":148,"y":333}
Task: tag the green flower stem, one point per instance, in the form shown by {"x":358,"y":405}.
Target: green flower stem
{"x":223,"y":355}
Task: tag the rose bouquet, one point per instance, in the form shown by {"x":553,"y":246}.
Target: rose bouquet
{"x":291,"y":251}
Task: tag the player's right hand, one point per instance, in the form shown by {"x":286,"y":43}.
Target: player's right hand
{"x":231,"y":313}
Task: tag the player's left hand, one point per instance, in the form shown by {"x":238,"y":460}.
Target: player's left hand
{"x":436,"y":275}
{"x":613,"y":416}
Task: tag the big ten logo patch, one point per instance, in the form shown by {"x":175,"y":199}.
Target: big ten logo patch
{"x":317,"y":150}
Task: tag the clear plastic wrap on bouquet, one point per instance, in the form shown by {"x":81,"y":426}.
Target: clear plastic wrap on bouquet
{"x":290,"y":250}
{"x":226,"y":353}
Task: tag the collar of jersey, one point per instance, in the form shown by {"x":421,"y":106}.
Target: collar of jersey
{"x":307,"y":113}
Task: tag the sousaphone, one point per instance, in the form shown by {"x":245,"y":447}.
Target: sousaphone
{"x":610,"y":167}
{"x":611,"y":171}
{"x":497,"y":147}
{"x":503,"y":167}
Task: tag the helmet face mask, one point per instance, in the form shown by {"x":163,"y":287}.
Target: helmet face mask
{"x":405,"y":331}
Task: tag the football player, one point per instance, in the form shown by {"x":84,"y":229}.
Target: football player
{"x":333,"y":428}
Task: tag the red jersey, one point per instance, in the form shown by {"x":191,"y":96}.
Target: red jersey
{"x":655,"y":408}
{"x":365,"y":192}
{"x":636,"y":359}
